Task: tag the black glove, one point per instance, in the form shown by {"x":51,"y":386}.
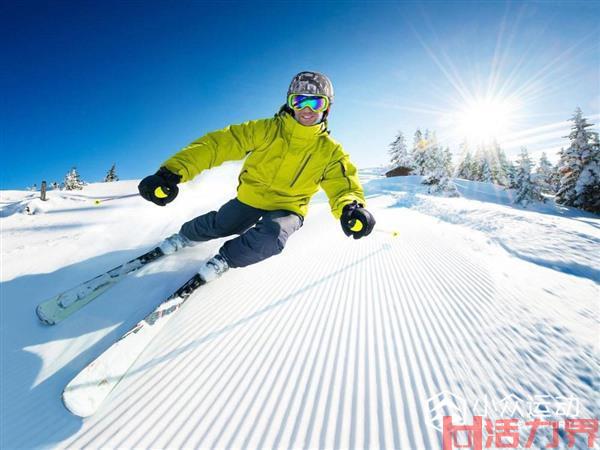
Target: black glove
{"x":352,"y":213}
{"x":160,"y":188}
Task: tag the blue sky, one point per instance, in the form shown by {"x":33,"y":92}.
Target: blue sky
{"x":90,"y":83}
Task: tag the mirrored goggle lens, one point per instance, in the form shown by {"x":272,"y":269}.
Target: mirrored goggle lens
{"x":316,"y":103}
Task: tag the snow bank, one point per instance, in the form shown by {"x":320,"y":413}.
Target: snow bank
{"x":563,"y":239}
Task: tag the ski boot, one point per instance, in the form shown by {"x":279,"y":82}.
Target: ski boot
{"x":175,"y":243}
{"x":213,"y":268}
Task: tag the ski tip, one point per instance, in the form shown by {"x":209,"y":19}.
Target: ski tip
{"x":43,"y":317}
{"x":77,"y":404}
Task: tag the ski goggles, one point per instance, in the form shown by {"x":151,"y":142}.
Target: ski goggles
{"x":318,"y":103}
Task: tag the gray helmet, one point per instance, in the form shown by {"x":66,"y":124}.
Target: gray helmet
{"x":312,"y":83}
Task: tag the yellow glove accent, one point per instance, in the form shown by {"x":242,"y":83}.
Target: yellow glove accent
{"x":158,"y":192}
{"x":357,"y":226}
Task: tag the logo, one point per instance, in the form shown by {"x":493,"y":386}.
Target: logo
{"x":446,"y":404}
{"x":540,"y":421}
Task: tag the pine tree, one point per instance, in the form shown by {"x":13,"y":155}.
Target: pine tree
{"x":490,"y":164}
{"x":478,"y":163}
{"x":587,"y":188}
{"x":433,"y":156}
{"x":555,"y":180}
{"x":419,"y":152}
{"x":465,"y":168}
{"x":526,"y":189}
{"x":544,"y":174}
{"x":474,"y":169}
{"x":398,"y":152}
{"x":499,"y":165}
{"x":511,"y":175}
{"x":437,"y":168}
{"x":417,"y":138}
{"x":73,"y":180}
{"x":486,"y":172}
{"x":440,"y":183}
{"x":111,"y":175}
{"x":447,"y":161}
{"x":580,"y":153}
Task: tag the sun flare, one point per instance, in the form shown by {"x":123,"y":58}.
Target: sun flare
{"x":485,"y":119}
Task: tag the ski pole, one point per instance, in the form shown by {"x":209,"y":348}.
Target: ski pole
{"x":98,"y":201}
{"x":393,"y":233}
{"x":358,"y":226}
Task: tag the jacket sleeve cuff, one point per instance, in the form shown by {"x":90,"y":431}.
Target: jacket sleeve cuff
{"x":176,"y":171}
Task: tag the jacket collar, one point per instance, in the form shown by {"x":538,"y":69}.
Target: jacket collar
{"x":299,"y":131}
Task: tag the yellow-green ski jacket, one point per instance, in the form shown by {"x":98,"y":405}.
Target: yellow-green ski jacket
{"x":286,"y":163}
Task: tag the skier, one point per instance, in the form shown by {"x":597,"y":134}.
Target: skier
{"x":288,"y":157}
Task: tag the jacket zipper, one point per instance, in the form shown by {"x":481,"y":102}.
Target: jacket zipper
{"x":301,"y":170}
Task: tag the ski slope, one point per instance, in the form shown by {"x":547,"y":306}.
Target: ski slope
{"x":333,"y":344}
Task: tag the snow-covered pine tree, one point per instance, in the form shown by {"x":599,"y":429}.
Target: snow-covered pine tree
{"x":569,"y":168}
{"x":440,"y":183}
{"x":398,"y":152}
{"x":486,"y":172}
{"x":419,"y":152}
{"x":433,"y":159}
{"x":477,"y":166}
{"x":417,"y":138}
{"x":111,"y":175}
{"x":544,"y":174}
{"x":587,"y":188}
{"x":490,"y":164}
{"x":73,"y":180}
{"x":438,"y":168}
{"x":428,"y":156}
{"x":499,"y":163}
{"x":572,"y":161}
{"x":464,"y":169}
{"x":511,"y":175}
{"x":447,"y":161}
{"x":526,"y":189}
{"x":556,"y":175}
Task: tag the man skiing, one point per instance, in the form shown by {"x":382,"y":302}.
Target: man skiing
{"x":288,"y":157}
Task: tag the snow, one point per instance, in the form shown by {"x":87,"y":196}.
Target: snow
{"x":556,"y":237}
{"x":335,"y":343}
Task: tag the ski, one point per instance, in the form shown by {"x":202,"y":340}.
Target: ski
{"x":86,"y":392}
{"x":61,"y":306}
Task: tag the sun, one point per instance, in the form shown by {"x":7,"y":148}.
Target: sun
{"x":485,"y":119}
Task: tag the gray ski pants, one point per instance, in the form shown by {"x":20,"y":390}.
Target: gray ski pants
{"x":261,"y":233}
